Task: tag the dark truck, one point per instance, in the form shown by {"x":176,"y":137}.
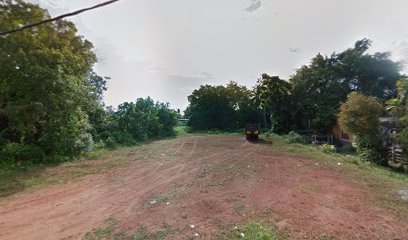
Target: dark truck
{"x":252,"y":131}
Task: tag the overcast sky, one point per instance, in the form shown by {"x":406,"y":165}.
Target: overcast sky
{"x":167,"y":48}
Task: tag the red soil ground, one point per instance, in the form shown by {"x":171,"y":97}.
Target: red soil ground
{"x":213,"y":182}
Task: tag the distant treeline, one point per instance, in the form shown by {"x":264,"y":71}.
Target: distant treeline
{"x":50,"y":99}
{"x":310,"y":99}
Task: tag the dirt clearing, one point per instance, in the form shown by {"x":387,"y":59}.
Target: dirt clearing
{"x":200,"y":186}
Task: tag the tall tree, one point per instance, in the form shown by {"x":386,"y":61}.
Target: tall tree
{"x":319,"y":87}
{"x":221,"y":107}
{"x":44,"y":81}
{"x":273,"y":96}
{"x":360,"y":115}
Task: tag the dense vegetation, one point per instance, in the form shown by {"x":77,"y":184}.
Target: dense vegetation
{"x":310,"y":99}
{"x":360,"y":115}
{"x":51,"y":99}
{"x":219,"y":107}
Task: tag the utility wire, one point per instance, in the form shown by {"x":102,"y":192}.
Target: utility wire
{"x":58,"y":17}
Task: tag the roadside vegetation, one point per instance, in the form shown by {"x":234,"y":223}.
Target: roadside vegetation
{"x":52,"y":109}
{"x":353,"y":89}
{"x":110,"y":231}
{"x":51,"y":100}
{"x":367,"y":174}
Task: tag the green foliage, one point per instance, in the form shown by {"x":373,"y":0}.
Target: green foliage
{"x":360,"y":114}
{"x":45,"y":86}
{"x":255,"y":231}
{"x":20,"y":152}
{"x":140,"y":120}
{"x":219,"y":107}
{"x":273,"y":95}
{"x":310,"y":100}
{"x":110,"y":231}
{"x":293,"y":137}
{"x":327,"y":148}
{"x":346,"y":149}
{"x":398,"y":108}
{"x":370,"y":148}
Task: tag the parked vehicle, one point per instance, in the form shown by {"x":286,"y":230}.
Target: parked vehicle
{"x":252,"y":131}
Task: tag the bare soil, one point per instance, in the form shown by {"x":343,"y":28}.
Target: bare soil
{"x":213,"y":182}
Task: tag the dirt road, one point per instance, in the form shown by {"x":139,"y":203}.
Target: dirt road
{"x":211,"y":182}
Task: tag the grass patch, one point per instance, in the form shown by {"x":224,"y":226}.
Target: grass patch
{"x":110,"y":231}
{"x":35,"y":176}
{"x":102,"y":232}
{"x":19,"y":176}
{"x":239,"y":207}
{"x":254,"y":231}
{"x":382,"y":181}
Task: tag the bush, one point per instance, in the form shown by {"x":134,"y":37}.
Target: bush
{"x":370,"y":148}
{"x":346,"y":149}
{"x":21,"y":152}
{"x":125,"y":138}
{"x":85,"y":143}
{"x":327,"y":148}
{"x":110,"y":142}
{"x":294,"y":137}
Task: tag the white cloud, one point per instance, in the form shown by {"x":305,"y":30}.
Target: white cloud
{"x":165,"y":49}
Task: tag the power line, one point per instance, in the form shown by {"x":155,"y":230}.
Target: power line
{"x":58,"y":17}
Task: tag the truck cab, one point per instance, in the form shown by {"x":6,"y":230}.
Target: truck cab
{"x":252,"y":131}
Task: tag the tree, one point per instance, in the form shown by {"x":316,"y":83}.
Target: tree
{"x":398,"y":108}
{"x":219,"y":107}
{"x":318,"y":88}
{"x":360,"y":115}
{"x":140,"y":120}
{"x":45,"y":82}
{"x":273,"y":96}
{"x":211,"y":107}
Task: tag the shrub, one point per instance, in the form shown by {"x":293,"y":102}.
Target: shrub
{"x":85,"y":143}
{"x":21,"y":152}
{"x":327,"y":148}
{"x":346,"y":149}
{"x":110,"y":142}
{"x":125,"y":138}
{"x":360,"y":115}
{"x":294,"y":137}
{"x":370,"y":148}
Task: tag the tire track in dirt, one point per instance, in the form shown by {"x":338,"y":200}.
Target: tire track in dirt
{"x":302,"y":198}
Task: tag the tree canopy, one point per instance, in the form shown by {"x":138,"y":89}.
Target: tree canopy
{"x":51,"y":100}
{"x":221,"y":107}
{"x":46,"y":81}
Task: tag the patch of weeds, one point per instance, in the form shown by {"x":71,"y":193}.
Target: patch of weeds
{"x":254,"y":231}
{"x":181,"y":130}
{"x":104,"y":232}
{"x":76,"y":172}
{"x":380,"y":180}
{"x":143,"y":234}
{"x":239,"y":207}
{"x":166,"y":196}
{"x":119,"y":161}
{"x":109,"y":231}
